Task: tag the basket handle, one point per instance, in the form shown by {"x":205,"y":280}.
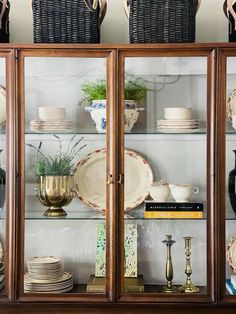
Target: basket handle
{"x":93,"y":7}
{"x":102,"y":4}
{"x":126,"y":6}
{"x":90,"y":6}
{"x":4,"y":5}
{"x":228,"y":7}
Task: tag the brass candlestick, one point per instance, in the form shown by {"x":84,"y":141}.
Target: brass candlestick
{"x":169,"y":267}
{"x":188,"y":287}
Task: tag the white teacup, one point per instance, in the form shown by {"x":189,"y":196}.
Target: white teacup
{"x":183,"y":193}
{"x":159,"y":191}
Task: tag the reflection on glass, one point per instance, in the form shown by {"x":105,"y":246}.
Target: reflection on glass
{"x":3,"y":118}
{"x":165,"y":126}
{"x":65,"y":167}
{"x":230,"y":176}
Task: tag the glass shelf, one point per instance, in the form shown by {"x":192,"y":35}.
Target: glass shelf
{"x":141,"y":132}
{"x":136,"y":214}
{"x":88,"y":215}
{"x":148,"y":132}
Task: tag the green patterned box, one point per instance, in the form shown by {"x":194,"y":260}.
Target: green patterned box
{"x":131,"y":267}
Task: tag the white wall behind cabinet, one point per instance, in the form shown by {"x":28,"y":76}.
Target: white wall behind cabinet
{"x":211,"y":22}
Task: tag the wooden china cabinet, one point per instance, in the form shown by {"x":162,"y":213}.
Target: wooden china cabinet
{"x":117,"y":258}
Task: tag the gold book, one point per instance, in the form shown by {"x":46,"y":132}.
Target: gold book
{"x":98,"y":284}
{"x":174,"y":214}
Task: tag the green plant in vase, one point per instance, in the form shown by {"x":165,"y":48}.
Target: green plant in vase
{"x":55,"y":173}
{"x":95,"y":94}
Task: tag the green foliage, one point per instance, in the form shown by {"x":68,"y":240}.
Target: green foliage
{"x":59,"y":165}
{"x":135,"y":89}
{"x":95,"y":90}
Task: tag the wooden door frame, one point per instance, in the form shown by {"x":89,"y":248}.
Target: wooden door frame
{"x":169,"y":51}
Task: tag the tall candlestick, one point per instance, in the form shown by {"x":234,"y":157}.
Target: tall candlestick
{"x":169,"y":266}
{"x":188,"y":287}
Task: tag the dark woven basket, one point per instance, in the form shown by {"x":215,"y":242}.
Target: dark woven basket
{"x":65,"y":21}
{"x":162,"y":21}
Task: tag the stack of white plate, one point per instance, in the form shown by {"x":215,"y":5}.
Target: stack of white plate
{"x":2,"y":281}
{"x":46,"y":275}
{"x":50,"y":125}
{"x":51,"y":119}
{"x":178,"y":120}
{"x":52,"y":113}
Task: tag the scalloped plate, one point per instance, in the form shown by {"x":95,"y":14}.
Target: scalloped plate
{"x":231,"y":253}
{"x":231,"y":105}
{"x":2,"y":104}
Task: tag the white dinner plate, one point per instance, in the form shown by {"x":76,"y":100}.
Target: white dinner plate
{"x":2,"y":104}
{"x":231,"y":252}
{"x":44,"y":260}
{"x":178,"y":130}
{"x":90,"y":177}
{"x":65,"y":277}
{"x":231,"y":105}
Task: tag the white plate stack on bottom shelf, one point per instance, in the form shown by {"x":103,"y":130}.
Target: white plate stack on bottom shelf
{"x":46,"y":275}
{"x":51,"y":119}
{"x":178,"y":120}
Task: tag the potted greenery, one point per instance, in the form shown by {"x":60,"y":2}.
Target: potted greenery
{"x":56,"y":176}
{"x":95,"y":93}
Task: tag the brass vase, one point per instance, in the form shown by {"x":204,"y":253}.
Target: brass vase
{"x":55,"y":192}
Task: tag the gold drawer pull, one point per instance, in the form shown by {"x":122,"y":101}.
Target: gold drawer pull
{"x":121,"y":179}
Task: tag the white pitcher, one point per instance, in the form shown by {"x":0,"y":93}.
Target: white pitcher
{"x":183,"y":193}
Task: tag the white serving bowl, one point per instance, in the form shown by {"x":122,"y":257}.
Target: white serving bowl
{"x":178,"y":113}
{"x":51,"y":113}
{"x":98,"y":115}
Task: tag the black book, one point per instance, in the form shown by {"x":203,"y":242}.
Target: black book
{"x":172,"y":206}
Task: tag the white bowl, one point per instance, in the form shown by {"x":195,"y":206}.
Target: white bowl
{"x":159,"y":191}
{"x":178,"y":113}
{"x":51,"y":113}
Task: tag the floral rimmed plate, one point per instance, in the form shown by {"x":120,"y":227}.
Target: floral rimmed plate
{"x":231,"y":105}
{"x":231,"y":253}
{"x":90,"y":177}
{"x":2,"y":106}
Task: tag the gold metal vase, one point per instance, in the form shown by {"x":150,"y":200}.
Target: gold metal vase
{"x":55,"y":192}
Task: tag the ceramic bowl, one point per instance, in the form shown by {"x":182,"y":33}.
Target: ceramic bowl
{"x":51,"y":113}
{"x":98,"y":115}
{"x":159,"y":191}
{"x":178,"y":113}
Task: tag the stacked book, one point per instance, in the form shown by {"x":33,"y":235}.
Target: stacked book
{"x":165,"y":210}
{"x":231,"y":285}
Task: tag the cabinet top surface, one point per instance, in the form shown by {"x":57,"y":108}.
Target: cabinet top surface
{"x":119,"y":46}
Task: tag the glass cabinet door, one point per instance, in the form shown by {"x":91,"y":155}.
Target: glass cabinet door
{"x":7,"y":174}
{"x":64,"y":201}
{"x":226,"y":174}
{"x":167,"y":165}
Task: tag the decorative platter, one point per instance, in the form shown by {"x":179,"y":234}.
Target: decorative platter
{"x":90,"y":177}
{"x":2,"y":105}
{"x":231,"y":105}
{"x":231,"y":253}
